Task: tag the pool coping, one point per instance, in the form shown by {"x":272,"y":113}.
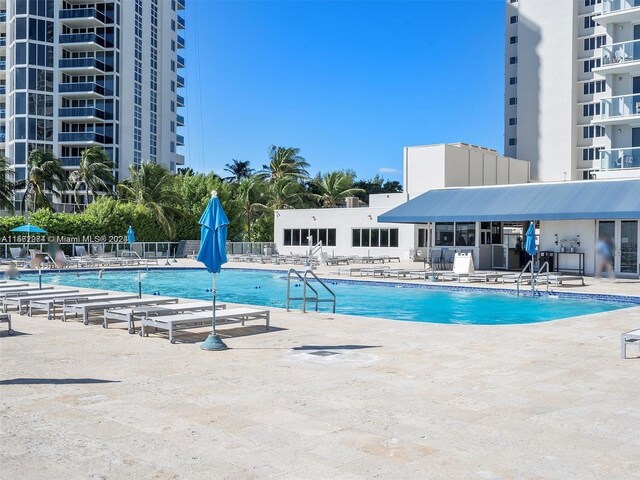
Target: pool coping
{"x":627,"y":299}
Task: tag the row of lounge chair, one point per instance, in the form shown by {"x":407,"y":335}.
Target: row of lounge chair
{"x":161,"y":313}
{"x":311,"y":260}
{"x":82,"y":259}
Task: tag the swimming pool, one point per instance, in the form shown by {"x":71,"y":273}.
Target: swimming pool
{"x":396,"y":302}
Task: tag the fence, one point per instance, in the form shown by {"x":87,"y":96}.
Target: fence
{"x":144,"y":249}
{"x":254,"y":248}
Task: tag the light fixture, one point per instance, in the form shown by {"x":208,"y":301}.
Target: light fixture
{"x":578,"y":240}
{"x":619,"y":130}
{"x":313,"y":216}
{"x":370,"y":217}
{"x":556,"y":238}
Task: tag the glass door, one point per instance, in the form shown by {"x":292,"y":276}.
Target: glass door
{"x":629,"y":247}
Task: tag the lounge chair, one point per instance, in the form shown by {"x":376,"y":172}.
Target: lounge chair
{"x":6,"y":318}
{"x":627,"y":338}
{"x":23,"y":291}
{"x":373,"y":271}
{"x":51,"y":304}
{"x":12,"y":285}
{"x":85,"y":309}
{"x":23,"y":300}
{"x":130,"y":314}
{"x":397,"y":273}
{"x":559,"y":279}
{"x":184,"y":321}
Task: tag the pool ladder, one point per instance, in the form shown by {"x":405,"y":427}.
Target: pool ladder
{"x":312,"y":298}
{"x":544,"y":268}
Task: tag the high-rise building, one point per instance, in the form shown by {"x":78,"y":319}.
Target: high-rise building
{"x":572,"y":87}
{"x":80,"y":73}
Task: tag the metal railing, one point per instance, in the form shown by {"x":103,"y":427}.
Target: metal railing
{"x":620,"y":106}
{"x":612,"y":6}
{"x":253,"y":248}
{"x":84,"y":87}
{"x":79,"y":13}
{"x":618,"y":159}
{"x":305,"y":284}
{"x":84,"y":62}
{"x":85,"y":38}
{"x":620,"y":53}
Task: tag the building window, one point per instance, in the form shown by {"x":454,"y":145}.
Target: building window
{"x":172,"y":147}
{"x":173,"y":65}
{"x":592,"y":131}
{"x":594,"y":87}
{"x":443,"y":234}
{"x":590,"y":109}
{"x":173,"y":25}
{"x":374,"y":237}
{"x":592,"y":153}
{"x":422,"y":237}
{"x":513,"y":60}
{"x":173,"y":106}
{"x":513,"y":142}
{"x":466,"y":234}
{"x":588,"y":21}
{"x":513,"y":39}
{"x":591,"y":64}
{"x":513,"y":80}
{"x":594,"y":42}
{"x":513,"y":121}
{"x":173,"y":45}
{"x":513,"y":101}
{"x":298,"y":237}
{"x":173,"y":86}
{"x":513,"y":19}
{"x":591,"y":3}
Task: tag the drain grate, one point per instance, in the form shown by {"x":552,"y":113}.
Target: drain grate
{"x":323,"y":353}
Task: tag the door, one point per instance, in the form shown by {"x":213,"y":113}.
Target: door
{"x":628,"y":248}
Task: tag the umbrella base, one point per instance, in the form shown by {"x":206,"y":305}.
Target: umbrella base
{"x":213,"y":342}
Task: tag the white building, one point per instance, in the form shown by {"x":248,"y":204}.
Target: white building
{"x":79,"y":73}
{"x":356,"y":231}
{"x":571,"y":73}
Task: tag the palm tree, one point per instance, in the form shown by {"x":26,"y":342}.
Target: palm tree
{"x":94,"y":173}
{"x":285,"y":193}
{"x":250,"y":198}
{"x":45,"y":175}
{"x":151,"y":185}
{"x":334,"y":187}
{"x":239,"y":171}
{"x":7,"y":186}
{"x":285,"y":162}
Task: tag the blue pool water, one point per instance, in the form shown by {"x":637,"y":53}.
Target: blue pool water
{"x":387,"y":301}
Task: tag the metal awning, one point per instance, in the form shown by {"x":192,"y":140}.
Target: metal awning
{"x":583,"y":200}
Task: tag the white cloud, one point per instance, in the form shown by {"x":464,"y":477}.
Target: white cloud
{"x":388,"y":170}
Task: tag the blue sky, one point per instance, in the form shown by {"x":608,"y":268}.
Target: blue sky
{"x":349,"y":83}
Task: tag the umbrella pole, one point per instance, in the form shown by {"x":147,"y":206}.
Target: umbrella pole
{"x":213,"y":341}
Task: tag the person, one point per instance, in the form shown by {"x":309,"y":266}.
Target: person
{"x":523,"y":256}
{"x":12,"y":272}
{"x":604,"y":257}
{"x":460,"y":241}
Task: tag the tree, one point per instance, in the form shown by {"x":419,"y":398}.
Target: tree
{"x":239,"y":171}
{"x":285,"y":193}
{"x":285,"y":162}
{"x":7,"y":186}
{"x":334,"y":187}
{"x":186,"y":171}
{"x":376,"y":185}
{"x":152,"y":185}
{"x":94,"y":173}
{"x":45,"y":175}
{"x":250,"y":197}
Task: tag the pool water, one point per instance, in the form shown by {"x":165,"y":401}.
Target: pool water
{"x":387,"y":301}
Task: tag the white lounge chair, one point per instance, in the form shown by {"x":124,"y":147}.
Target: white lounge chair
{"x":16,"y":292}
{"x":85,"y":309}
{"x":184,"y":321}
{"x":627,"y":338}
{"x":23,"y":300}
{"x":130,"y":314}
{"x":51,"y":304}
{"x":6,"y":318}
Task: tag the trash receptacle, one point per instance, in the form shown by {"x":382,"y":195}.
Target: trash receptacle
{"x":548,"y":257}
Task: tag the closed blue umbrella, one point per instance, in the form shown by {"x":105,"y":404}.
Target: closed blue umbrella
{"x":213,"y":253}
{"x":530,"y":248}
{"x":131,"y":235}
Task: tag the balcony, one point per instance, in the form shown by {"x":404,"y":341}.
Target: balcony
{"x":623,"y":109}
{"x":3,"y":64}
{"x":180,"y":81}
{"x":84,"y":41}
{"x":83,"y":137}
{"x":180,"y":22}
{"x":83,"y":17}
{"x":623,"y":57}
{"x":180,"y":42}
{"x":180,"y":100}
{"x":180,"y":120}
{"x":81,"y":90}
{"x":179,"y":140}
{"x":3,"y":16}
{"x":3,"y":90}
{"x":80,"y":114}
{"x":83,"y":66}
{"x":2,"y":137}
{"x":180,"y":61}
{"x":180,"y":4}
{"x":618,"y":11}
{"x":70,"y":161}
{"x":618,"y":162}
{"x":3,"y":113}
{"x":3,"y":41}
